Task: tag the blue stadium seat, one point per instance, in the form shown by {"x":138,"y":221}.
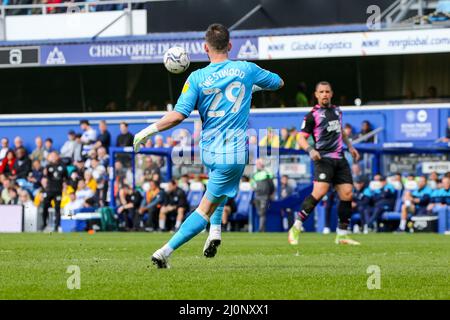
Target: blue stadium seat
{"x":244,"y":204}
{"x":395,"y":215}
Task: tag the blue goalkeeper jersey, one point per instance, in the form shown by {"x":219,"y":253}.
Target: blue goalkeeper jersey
{"x":222,"y":93}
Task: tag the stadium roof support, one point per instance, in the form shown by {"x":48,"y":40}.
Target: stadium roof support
{"x":408,"y":13}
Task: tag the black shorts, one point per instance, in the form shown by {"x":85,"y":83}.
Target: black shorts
{"x":335,"y":171}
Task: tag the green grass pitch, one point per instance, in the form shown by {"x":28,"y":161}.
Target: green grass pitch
{"x":248,"y":266}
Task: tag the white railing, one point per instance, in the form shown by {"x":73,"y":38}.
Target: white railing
{"x":12,"y":16}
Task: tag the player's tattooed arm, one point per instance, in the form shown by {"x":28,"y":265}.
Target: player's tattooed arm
{"x":303,"y":143}
{"x":351,"y":149}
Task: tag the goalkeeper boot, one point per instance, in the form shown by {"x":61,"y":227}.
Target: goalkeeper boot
{"x":160,"y":260}
{"x":345,"y":239}
{"x":210,"y":248}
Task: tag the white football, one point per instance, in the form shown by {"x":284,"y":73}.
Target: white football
{"x":176,"y":60}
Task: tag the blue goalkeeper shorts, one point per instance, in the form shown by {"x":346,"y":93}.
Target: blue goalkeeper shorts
{"x":225,"y":173}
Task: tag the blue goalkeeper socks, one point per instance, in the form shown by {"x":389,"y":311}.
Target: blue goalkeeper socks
{"x":193,"y":225}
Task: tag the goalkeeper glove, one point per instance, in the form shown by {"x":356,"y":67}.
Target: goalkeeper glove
{"x":142,"y":136}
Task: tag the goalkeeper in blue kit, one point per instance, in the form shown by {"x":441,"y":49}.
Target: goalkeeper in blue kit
{"x":222,"y":94}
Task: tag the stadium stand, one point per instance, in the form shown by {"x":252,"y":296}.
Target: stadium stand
{"x":100,"y":159}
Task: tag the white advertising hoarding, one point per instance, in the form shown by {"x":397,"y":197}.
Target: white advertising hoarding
{"x":11,"y":218}
{"x":355,"y":44}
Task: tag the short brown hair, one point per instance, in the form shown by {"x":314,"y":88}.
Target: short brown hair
{"x":324,"y":83}
{"x":218,"y":37}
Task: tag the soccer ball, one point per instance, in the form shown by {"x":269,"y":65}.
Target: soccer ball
{"x":176,"y":60}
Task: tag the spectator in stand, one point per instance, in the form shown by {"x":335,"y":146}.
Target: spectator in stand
{"x":361,"y":202}
{"x":416,"y":201}
{"x":151,"y":204}
{"x":284,"y":136}
{"x":91,"y":154}
{"x":271,"y":139}
{"x":121,"y":172}
{"x":22,"y":165}
{"x":65,"y":198}
{"x":99,"y":174}
{"x":25,"y":200}
{"x":301,"y":99}
{"x":175,"y":205}
{"x":293,"y":136}
{"x":348,"y":129}
{"x":128,"y":208}
{"x":433,"y":180}
{"x":104,"y":138}
{"x":149,"y":143}
{"x":83,"y":191}
{"x":125,"y":138}
{"x":80,"y":168}
{"x":36,"y":174}
{"x":366,"y":127}
{"x":52,"y":9}
{"x":69,"y":147}
{"x":6,"y":184}
{"x":78,"y":153}
{"x":159,"y":141}
{"x":40,"y":192}
{"x":156,"y":177}
{"x":264,"y":188}
{"x":48,"y":148}
{"x":90,"y":181}
{"x":18,"y":143}
{"x":97,"y":169}
{"x":357,"y":173}
{"x":38,"y":152}
{"x":7,"y":164}
{"x":13,"y":196}
{"x":383,"y":198}
{"x":73,"y":205}
{"x":88,"y":137}
{"x":286,"y":191}
{"x":288,"y":138}
{"x":4,"y":148}
{"x":183,"y":183}
{"x":228,"y":209}
{"x":103,"y":156}
{"x":169,"y":142}
{"x":150,"y":167}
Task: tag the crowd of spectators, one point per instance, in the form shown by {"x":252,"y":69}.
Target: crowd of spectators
{"x":287,"y":138}
{"x":158,"y":205}
{"x":55,"y":9}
